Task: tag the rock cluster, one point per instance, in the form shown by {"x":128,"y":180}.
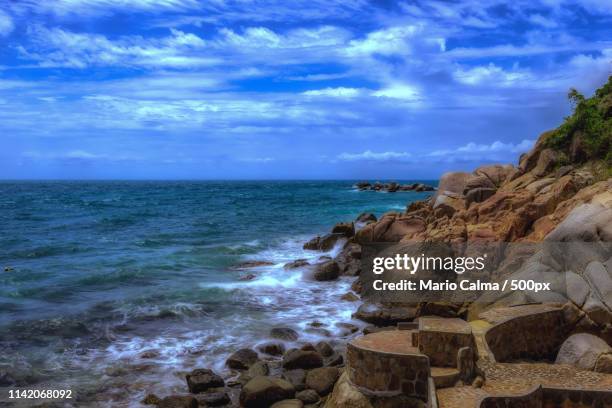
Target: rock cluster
{"x":393,"y":187}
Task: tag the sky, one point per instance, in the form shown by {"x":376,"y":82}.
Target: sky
{"x":300,"y":89}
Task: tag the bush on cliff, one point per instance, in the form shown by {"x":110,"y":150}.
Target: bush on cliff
{"x":590,"y":124}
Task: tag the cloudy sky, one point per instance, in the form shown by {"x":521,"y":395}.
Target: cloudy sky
{"x":224,"y":89}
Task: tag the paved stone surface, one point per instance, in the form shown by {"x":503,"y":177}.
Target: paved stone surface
{"x":395,"y":342}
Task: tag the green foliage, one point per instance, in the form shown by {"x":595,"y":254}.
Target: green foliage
{"x":591,"y":121}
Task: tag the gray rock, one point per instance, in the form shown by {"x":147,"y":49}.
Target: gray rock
{"x":582,"y":350}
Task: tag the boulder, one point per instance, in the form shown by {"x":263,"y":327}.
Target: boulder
{"x":346,"y":395}
{"x":324,"y":348}
{"x":447,"y":205}
{"x":366,"y":218}
{"x":582,"y":350}
{"x":304,"y":359}
{"x":478,"y":181}
{"x":290,"y":403}
{"x":296,"y":377}
{"x":263,"y":391}
{"x":604,"y":364}
{"x":178,"y":401}
{"x":242,"y":359}
{"x":497,"y":174}
{"x":327,"y":271}
{"x":478,"y":195}
{"x":257,"y":369}
{"x":272,"y":348}
{"x":284,"y":333}
{"x":313,"y":244}
{"x":452,"y":183}
{"x":384,"y":315}
{"x":308,"y":396}
{"x":344,"y":228}
{"x":328,"y":241}
{"x":201,"y":379}
{"x":546,"y":162}
{"x":322,"y":379}
{"x":214,"y":398}
{"x":298,"y":263}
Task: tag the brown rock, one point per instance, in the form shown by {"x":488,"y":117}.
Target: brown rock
{"x":350,"y":297}
{"x":201,"y":379}
{"x":344,"y":228}
{"x":478,"y":195}
{"x":262,"y":392}
{"x":604,"y":364}
{"x":272,"y":348}
{"x":328,"y":241}
{"x":327,"y":271}
{"x":308,"y":396}
{"x":242,"y":359}
{"x":298,"y":263}
{"x":178,"y":401}
{"x":324,"y":348}
{"x":151,"y":399}
{"x":284,"y":333}
{"x":452,"y":183}
{"x":384,"y":315}
{"x":546,"y":162}
{"x":366,"y":217}
{"x":296,"y":377}
{"x":290,"y":403}
{"x":322,"y":379}
{"x":213,"y":399}
{"x":302,"y":359}
{"x":313,"y":244}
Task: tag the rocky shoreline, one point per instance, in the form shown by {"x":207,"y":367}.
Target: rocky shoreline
{"x":393,"y":187}
{"x":505,"y":351}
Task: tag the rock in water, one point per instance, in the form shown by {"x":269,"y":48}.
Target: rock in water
{"x":242,"y":359}
{"x":327,"y":271}
{"x":345,"y":228}
{"x":264,"y":391}
{"x":178,"y":401}
{"x":366,"y":217}
{"x":201,"y":379}
{"x":284,"y":333}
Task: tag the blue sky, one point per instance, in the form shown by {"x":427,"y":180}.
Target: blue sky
{"x":175,"y":89}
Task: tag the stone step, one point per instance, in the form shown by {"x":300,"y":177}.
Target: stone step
{"x":444,"y":377}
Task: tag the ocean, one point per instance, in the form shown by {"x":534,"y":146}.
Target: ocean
{"x":115,"y":289}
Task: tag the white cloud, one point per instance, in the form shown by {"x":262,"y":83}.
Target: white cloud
{"x":6,"y":24}
{"x":398,"y":91}
{"x":540,"y":20}
{"x":491,"y":75}
{"x":61,"y":48}
{"x":479,"y":149}
{"x":389,"y":41}
{"x":75,"y":155}
{"x":369,"y":155}
{"x":340,"y":92}
{"x":105,"y":7}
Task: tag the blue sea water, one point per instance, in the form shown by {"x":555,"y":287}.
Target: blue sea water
{"x":101,"y":272}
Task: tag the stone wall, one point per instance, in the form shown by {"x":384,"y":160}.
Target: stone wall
{"x":536,"y":336}
{"x":441,"y":339}
{"x":381,"y":374}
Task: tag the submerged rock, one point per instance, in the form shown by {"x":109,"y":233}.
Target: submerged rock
{"x":242,"y":359}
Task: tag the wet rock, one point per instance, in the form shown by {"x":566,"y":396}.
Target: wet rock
{"x":344,"y":228}
{"x":253,"y":264}
{"x":350,"y":297}
{"x":582,"y":350}
{"x":327,"y":271}
{"x":284,"y":333}
{"x":302,"y":359}
{"x":324,"y":348}
{"x":328,"y":241}
{"x":178,"y":401}
{"x":384,"y":315}
{"x":298,"y":263}
{"x":264,"y":391}
{"x":242,"y":359}
{"x":150,"y":399}
{"x":334,"y":360}
{"x":322,"y":379}
{"x":313,"y":244}
{"x":296,"y":377}
{"x":272,"y":348}
{"x":366,"y":217}
{"x":259,"y":368}
{"x":308,"y":396}
{"x":347,"y":328}
{"x":308,"y":347}
{"x":213,"y":398}
{"x":201,"y":379}
{"x":292,"y":403}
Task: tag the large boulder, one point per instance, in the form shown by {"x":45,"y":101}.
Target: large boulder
{"x":263,"y":391}
{"x":583,"y":351}
{"x":497,"y":173}
{"x":201,"y":379}
{"x":345,"y":228}
{"x":546,"y":162}
{"x":452,"y":183}
{"x":322,"y":379}
{"x":391,"y":228}
{"x":327,"y":271}
{"x":242,"y":359}
{"x":304,"y":359}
